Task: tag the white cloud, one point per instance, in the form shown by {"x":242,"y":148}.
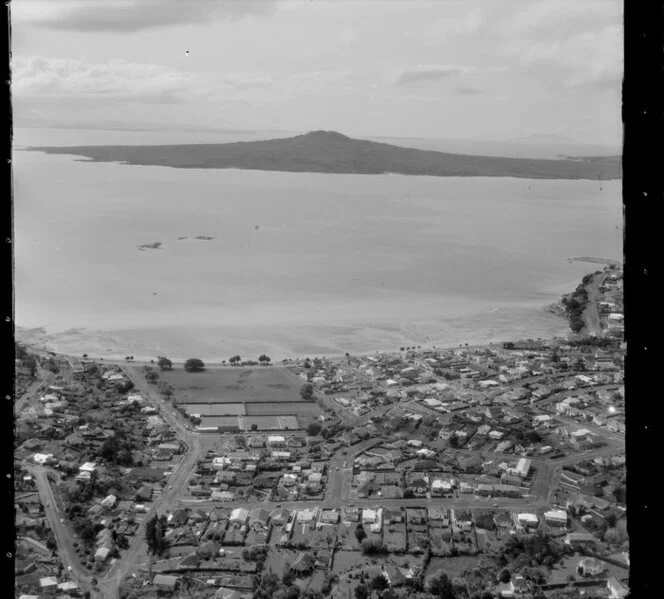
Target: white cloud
{"x":118,"y":80}
{"x":578,"y":42}
{"x":452,"y":27}
{"x":420,"y":73}
{"x":125,"y":16}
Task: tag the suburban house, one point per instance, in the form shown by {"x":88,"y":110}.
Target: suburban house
{"x":527,"y":520}
{"x":238,"y":517}
{"x":258,"y":519}
{"x":330,"y":516}
{"x":589,"y":566}
{"x":617,"y":590}
{"x":580,"y":539}
{"x":556,"y":517}
{"x":165,"y":581}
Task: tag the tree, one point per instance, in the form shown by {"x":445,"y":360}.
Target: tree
{"x":109,"y":450}
{"x":441,"y":586}
{"x":151,"y":375}
{"x":379,"y":583}
{"x":619,"y":493}
{"x":534,"y":575}
{"x":154,"y":534}
{"x":165,"y":389}
{"x":314,"y":429}
{"x":360,"y":534}
{"x":254,"y":427}
{"x":307,"y":391}
{"x":123,"y":386}
{"x":370,"y":547}
{"x":505,"y":576}
{"x":164,"y":363}
{"x":122,"y":542}
{"x":533,"y":437}
{"x":361,"y":591}
{"x":454,"y":441}
{"x":194,"y":365}
{"x":264,"y":359}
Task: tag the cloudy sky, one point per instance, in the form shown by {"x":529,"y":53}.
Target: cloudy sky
{"x":455,"y":69}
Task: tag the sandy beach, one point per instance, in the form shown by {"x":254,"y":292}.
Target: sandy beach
{"x":215,"y":344}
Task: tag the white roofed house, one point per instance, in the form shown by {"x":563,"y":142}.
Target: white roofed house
{"x":306,"y":516}
{"x":543,"y":420}
{"x":441,"y":487}
{"x":109,"y":502}
{"x":581,"y":439}
{"x":42,"y":458}
{"x":528,"y":520}
{"x":136,"y":398}
{"x":239,"y":517}
{"x":374,"y":518}
{"x":102,"y":554}
{"x":617,"y":590}
{"x":48,"y":582}
{"x":425,"y":453}
{"x":522,"y":467}
{"x":556,"y":518}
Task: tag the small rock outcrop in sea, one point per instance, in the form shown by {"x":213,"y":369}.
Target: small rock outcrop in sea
{"x":150,"y":246}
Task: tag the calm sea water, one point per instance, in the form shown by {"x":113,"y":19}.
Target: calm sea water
{"x":299,"y":263}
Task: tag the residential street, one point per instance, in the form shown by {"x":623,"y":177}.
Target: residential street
{"x":63,"y":536}
{"x":36,"y":389}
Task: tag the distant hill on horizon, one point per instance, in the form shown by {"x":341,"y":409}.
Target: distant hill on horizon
{"x":332,"y":152}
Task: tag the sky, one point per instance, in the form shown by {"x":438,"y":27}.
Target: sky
{"x":445,"y":69}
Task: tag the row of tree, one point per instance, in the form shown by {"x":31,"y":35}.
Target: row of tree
{"x":197,"y":365}
{"x":155,"y":530}
{"x":574,"y":307}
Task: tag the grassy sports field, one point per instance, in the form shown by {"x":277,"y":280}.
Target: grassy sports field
{"x":234,"y":385}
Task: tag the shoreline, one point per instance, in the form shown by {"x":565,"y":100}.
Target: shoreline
{"x":484,"y":329}
{"x":210,"y":364}
{"x":607,"y":261}
{"x":438,"y":344}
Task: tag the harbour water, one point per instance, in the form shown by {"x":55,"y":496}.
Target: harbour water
{"x":291,"y":263}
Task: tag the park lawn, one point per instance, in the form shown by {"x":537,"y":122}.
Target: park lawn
{"x":234,"y":385}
